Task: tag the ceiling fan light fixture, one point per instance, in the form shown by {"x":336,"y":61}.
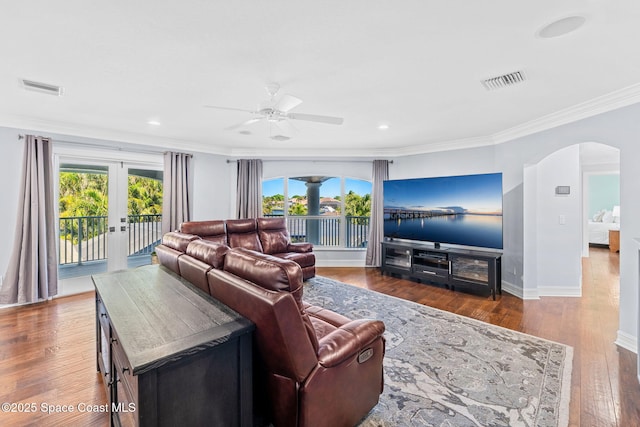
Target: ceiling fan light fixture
{"x":280,"y":138}
{"x":276,"y":113}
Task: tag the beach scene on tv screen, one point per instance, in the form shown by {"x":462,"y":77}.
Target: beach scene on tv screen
{"x":461,"y":210}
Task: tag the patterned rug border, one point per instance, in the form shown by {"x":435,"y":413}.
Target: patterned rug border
{"x":565,"y":390}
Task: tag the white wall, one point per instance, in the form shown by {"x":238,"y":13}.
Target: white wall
{"x":621,"y":129}
{"x":559,"y":225}
{"x":213,"y":187}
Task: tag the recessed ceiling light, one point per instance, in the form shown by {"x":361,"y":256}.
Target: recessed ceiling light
{"x":383,"y":126}
{"x":154,"y":123}
{"x":561,"y":27}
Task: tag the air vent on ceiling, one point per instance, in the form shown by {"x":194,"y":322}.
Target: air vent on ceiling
{"x":504,"y":80}
{"x":42,"y":87}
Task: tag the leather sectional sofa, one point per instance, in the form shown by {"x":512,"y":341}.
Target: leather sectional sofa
{"x":312,"y":366}
{"x":266,"y":235}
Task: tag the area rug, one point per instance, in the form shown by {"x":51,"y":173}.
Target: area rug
{"x":442,"y":369}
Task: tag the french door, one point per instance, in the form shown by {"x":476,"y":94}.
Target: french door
{"x":109,"y":214}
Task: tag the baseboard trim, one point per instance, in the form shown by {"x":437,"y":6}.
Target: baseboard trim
{"x":339,"y":263}
{"x":628,"y":342}
{"x":559,"y":292}
{"x":512,"y":289}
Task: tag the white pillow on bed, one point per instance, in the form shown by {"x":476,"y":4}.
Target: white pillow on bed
{"x":607,"y":218}
{"x":597,"y":217}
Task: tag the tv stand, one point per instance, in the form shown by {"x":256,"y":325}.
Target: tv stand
{"x":474,"y":269}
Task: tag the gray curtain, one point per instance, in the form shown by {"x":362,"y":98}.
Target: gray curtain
{"x":376,"y":223}
{"x":176,"y":189}
{"x":249,"y":189}
{"x":32,"y":274}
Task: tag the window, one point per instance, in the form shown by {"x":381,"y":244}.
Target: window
{"x":324,"y":210}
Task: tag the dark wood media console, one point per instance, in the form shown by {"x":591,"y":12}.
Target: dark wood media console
{"x":474,"y":269}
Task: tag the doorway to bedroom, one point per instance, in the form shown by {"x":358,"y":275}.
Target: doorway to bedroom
{"x":601,"y":197}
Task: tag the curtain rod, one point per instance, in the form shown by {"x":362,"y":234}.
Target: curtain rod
{"x":105,"y":147}
{"x":324,"y":161}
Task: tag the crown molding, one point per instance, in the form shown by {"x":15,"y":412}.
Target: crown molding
{"x":602,"y":104}
{"x":73,"y":133}
{"x":611,"y":101}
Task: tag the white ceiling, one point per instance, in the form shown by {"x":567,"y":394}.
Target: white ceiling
{"x":415,"y":65}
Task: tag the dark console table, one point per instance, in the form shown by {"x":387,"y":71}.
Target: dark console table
{"x":480,"y":270}
{"x":169,"y":353}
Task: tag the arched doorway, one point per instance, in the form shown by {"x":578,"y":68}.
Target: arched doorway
{"x":555,"y":218}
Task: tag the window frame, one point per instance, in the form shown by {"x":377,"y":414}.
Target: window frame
{"x":342,"y":233}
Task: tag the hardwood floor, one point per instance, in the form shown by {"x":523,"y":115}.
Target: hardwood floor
{"x":47,"y":350}
{"x":604,"y":382}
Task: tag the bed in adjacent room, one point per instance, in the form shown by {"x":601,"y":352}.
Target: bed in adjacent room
{"x":601,"y":223}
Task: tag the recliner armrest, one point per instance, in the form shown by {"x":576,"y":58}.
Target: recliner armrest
{"x":300,"y":247}
{"x":348,"y":340}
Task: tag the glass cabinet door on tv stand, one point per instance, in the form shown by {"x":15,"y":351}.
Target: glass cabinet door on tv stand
{"x":396,"y":257}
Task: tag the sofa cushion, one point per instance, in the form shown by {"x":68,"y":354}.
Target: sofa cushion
{"x":305,"y":259}
{"x":168,"y":257}
{"x":194,"y":271}
{"x":243,"y":233}
{"x":271,"y":273}
{"x":208,"y":252}
{"x":273,"y":235}
{"x":267,"y":271}
{"x":178,"y":241}
{"x":214,"y":231}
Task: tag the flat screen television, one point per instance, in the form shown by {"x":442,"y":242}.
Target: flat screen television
{"x":457,"y":210}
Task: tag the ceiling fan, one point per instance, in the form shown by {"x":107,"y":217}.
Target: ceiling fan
{"x":277,"y":113}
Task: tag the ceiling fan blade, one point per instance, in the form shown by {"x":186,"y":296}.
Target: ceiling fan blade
{"x":287,"y":102}
{"x":246,"y":122}
{"x":230,"y":109}
{"x":316,"y":118}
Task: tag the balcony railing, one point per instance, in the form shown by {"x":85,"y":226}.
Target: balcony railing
{"x":84,"y":238}
{"x":326,"y":230}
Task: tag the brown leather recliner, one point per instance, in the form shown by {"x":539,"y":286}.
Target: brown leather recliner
{"x":275,"y":239}
{"x":213,"y":231}
{"x":200,"y":257}
{"x":266,"y":235}
{"x":174,"y":245}
{"x":243,"y":233}
{"x":314,"y":370}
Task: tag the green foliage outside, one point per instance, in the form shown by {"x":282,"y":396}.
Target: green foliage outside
{"x":83,"y":194}
{"x":355,"y":204}
{"x":272,"y":203}
{"x":86,"y":195}
{"x":145,"y":196}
